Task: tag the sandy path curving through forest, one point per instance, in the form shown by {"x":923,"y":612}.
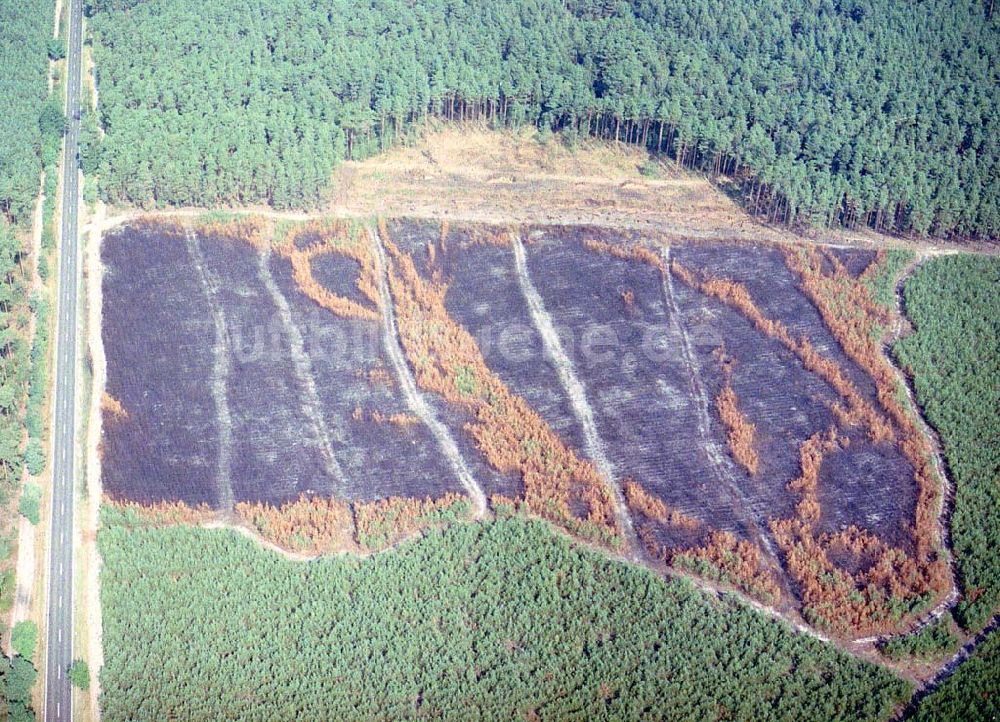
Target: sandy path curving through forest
{"x":575,"y":392}
{"x":220,"y":370}
{"x":947,"y":496}
{"x":946,"y":502}
{"x":559,"y":217}
{"x":414,"y":399}
{"x":556,"y":212}
{"x":950,"y":667}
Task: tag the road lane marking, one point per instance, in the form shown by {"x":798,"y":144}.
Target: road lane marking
{"x":66,"y":359}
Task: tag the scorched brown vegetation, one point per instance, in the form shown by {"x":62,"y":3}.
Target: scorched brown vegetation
{"x":513,"y":437}
{"x":851,"y":581}
{"x":740,"y":431}
{"x":716,"y":555}
{"x":384,"y":522}
{"x":632,"y":252}
{"x":333,"y":236}
{"x":308,"y":525}
{"x":884,"y":584}
{"x":854,"y":409}
{"x":849,"y":310}
{"x":316,"y":525}
{"x":164,"y":513}
{"x":112,"y":408}
{"x":642,"y":502}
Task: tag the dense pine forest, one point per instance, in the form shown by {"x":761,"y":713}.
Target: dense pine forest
{"x":502,"y":620}
{"x":954,"y":357}
{"x":30,"y":127}
{"x":972,"y":693}
{"x":14,"y":367}
{"x":826,"y":112}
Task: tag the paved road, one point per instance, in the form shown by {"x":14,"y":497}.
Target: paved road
{"x":59,"y":635}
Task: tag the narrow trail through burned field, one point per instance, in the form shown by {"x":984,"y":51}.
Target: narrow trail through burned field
{"x":220,"y":370}
{"x":414,"y":399}
{"x":717,"y":458}
{"x":302,"y":367}
{"x":575,"y":391}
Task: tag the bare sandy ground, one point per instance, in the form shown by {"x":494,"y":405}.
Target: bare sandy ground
{"x":92,"y":457}
{"x":521,"y":177}
{"x":515,"y":178}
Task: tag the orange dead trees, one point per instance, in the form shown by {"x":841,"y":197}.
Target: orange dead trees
{"x":558,"y":484}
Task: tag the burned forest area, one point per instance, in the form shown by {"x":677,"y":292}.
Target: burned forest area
{"x":694,"y":405}
{"x":461,"y":360}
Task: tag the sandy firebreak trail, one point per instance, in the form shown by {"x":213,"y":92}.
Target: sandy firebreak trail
{"x":303,"y":372}
{"x":414,"y":399}
{"x":719,"y":460}
{"x":661,"y":236}
{"x":716,"y":591}
{"x":947,"y":496}
{"x":575,"y":392}
{"x":470,"y":174}
{"x":951,"y":666}
{"x":947,"y":500}
{"x":95,"y":347}
{"x":860,"y":647}
{"x":220,"y":370}
{"x":945,"y":505}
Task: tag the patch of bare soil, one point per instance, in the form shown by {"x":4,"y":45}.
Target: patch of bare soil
{"x":519,"y":177}
{"x":469,"y":173}
{"x":91,"y":518}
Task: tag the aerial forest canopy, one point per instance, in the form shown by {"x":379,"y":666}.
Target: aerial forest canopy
{"x":495,"y":621}
{"x":954,"y":358}
{"x":827,"y":112}
{"x":30,"y":126}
